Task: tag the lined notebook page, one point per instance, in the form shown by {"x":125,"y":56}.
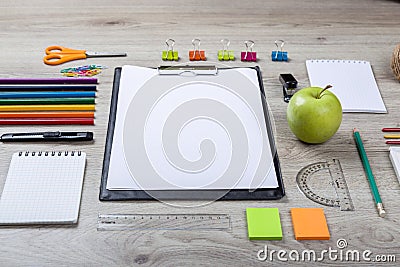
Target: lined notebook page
{"x":353,"y":83}
{"x":43,"y":188}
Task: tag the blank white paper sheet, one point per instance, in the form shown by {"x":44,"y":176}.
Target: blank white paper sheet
{"x":352,"y":81}
{"x":193,"y":132}
{"x":43,"y":188}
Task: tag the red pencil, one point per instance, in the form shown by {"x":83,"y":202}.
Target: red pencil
{"x":391,"y":130}
{"x":393,"y":142}
{"x":47,"y":121}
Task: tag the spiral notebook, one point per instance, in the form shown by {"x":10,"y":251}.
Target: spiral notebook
{"x":353,"y":83}
{"x":43,"y":188}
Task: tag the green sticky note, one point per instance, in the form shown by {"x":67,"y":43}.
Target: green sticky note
{"x":264,"y":224}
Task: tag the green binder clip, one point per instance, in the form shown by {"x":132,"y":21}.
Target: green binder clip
{"x":225,"y":54}
{"x":170,"y":54}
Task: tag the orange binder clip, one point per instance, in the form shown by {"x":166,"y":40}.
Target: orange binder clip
{"x":196,"y":54}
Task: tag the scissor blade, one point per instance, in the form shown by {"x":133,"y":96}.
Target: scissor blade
{"x":102,"y":54}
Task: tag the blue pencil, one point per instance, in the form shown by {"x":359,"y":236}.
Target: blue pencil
{"x":46,"y":94}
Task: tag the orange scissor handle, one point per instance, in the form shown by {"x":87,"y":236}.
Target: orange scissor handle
{"x":56,"y":55}
{"x":56,"y":49}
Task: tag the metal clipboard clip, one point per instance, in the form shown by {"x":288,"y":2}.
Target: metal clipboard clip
{"x":187,"y":70}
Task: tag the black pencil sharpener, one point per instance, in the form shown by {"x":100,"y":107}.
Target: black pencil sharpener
{"x":289,"y":84}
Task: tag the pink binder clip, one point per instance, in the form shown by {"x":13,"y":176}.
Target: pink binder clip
{"x":249,"y":55}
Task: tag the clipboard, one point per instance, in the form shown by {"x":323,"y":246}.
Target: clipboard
{"x":201,"y":193}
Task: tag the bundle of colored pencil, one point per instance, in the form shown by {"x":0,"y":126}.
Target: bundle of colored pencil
{"x":34,"y":101}
{"x":392,"y":136}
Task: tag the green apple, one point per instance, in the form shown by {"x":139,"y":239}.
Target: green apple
{"x":314,"y":114}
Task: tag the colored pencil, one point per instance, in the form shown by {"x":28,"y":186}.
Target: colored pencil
{"x":47,"y":121}
{"x":48,"y":80}
{"x":392,"y":136}
{"x":54,"y":114}
{"x":5,"y":88}
{"x":47,"y":101}
{"x":393,"y":142}
{"x":46,"y":94}
{"x":391,"y":130}
{"x":47,"y":107}
{"x":368,"y":172}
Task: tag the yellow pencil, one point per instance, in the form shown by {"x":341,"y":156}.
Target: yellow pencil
{"x":392,"y":136}
{"x":46,"y":107}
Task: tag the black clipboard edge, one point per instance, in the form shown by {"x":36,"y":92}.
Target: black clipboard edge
{"x":104,"y":193}
{"x":234,"y":194}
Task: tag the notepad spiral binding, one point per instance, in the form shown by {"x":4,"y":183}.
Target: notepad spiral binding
{"x":49,"y":153}
{"x":338,"y":61}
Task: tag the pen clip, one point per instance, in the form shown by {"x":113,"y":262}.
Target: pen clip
{"x":51,"y":134}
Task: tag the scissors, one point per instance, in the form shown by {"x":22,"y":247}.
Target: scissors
{"x":56,"y":55}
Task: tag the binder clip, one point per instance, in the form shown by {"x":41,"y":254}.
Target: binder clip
{"x":225,"y":54}
{"x":249,"y":55}
{"x":196,"y":54}
{"x":289,"y":84}
{"x":279,"y":55}
{"x":170,"y":54}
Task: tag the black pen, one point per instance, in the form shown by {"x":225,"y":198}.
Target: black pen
{"x":47,"y":136}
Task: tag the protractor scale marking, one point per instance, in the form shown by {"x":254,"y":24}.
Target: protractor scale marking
{"x":324,"y":183}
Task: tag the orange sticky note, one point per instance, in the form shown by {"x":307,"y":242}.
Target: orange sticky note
{"x":309,"y":224}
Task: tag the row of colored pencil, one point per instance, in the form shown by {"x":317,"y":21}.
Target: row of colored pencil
{"x":392,"y":136}
{"x":34,"y":101}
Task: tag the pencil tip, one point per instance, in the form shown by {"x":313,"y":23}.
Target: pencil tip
{"x":355,"y":130}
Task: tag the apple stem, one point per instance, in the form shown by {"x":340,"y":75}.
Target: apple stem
{"x":327,"y":87}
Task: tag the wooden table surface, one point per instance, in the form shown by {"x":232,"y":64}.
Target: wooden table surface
{"x":362,"y":30}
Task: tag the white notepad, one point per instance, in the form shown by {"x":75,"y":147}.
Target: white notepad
{"x":353,"y":83}
{"x":395,"y":158}
{"x":43,"y":188}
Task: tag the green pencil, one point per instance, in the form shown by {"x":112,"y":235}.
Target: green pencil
{"x":47,"y":101}
{"x":368,"y":171}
